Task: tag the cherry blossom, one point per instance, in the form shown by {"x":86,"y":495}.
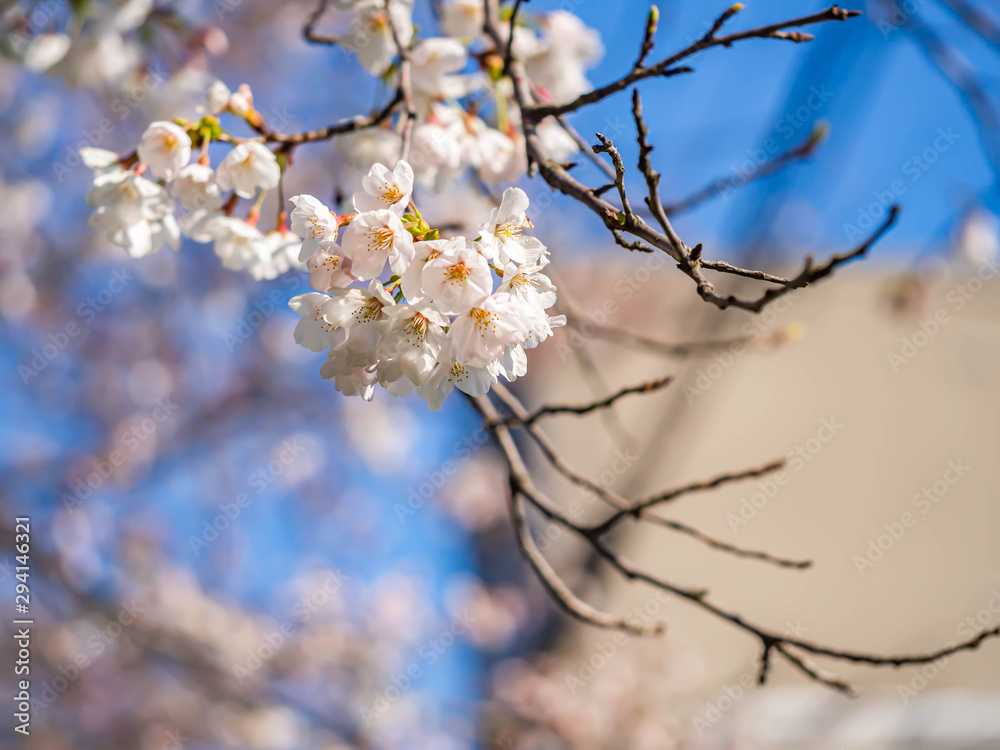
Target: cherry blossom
{"x":247,"y":167}
{"x":371,"y":35}
{"x":374,"y":238}
{"x":437,"y":324}
{"x":448,"y":375}
{"x":314,"y":332}
{"x":413,"y":342}
{"x":436,"y":61}
{"x":478,"y":336}
{"x":503,"y":234}
{"x":458,"y":279}
{"x":353,"y":373}
{"x":134,"y":212}
{"x":314,"y":223}
{"x":217,"y":97}
{"x":278,"y":253}
{"x":165,"y":148}
{"x":423,"y":252}
{"x":329,"y":269}
{"x":237,"y":244}
{"x":566,"y":50}
{"x":197,"y":188}
{"x":382,"y":188}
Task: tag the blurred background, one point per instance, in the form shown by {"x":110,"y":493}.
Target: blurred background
{"x":227,"y":553}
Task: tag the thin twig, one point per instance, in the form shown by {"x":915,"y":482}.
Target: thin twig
{"x":582,"y":409}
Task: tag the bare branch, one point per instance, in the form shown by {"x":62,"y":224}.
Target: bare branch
{"x":731,"y":549}
{"x":649,"y":36}
{"x":665,"y":68}
{"x":522,"y":486}
{"x":351,"y":125}
{"x":309,"y":30}
{"x":665,"y":497}
{"x":583,"y":409}
{"x":810,"y":274}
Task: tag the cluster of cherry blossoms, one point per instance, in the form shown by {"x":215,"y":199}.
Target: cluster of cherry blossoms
{"x":134,"y":196}
{"x":437,"y":323}
{"x":467,"y":117}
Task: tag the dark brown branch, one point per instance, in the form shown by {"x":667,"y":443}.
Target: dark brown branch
{"x":309,"y":30}
{"x":607,"y":147}
{"x":585,"y":148}
{"x":582,"y":409}
{"x":665,"y":497}
{"x":813,"y":672}
{"x":521,"y":485}
{"x":723,"y":267}
{"x":324,"y":134}
{"x":649,"y":36}
{"x":552,"y":454}
{"x":666,"y":67}
{"x":717,"y":544}
{"x":809,"y":274}
{"x":646,"y":165}
{"x":771,"y":641}
{"x":508,"y":51}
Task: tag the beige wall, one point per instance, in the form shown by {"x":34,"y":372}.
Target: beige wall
{"x":897,"y":432}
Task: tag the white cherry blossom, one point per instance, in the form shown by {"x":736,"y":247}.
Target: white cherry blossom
{"x":412,"y":344}
{"x":374,"y":238}
{"x":217,"y":97}
{"x":474,"y":380}
{"x":314,"y":223}
{"x":247,"y":167}
{"x":503,"y":234}
{"x":134,"y":212}
{"x":237,"y":244}
{"x":382,"y":188}
{"x":279,"y":253}
{"x":353,"y":373}
{"x":527,"y":285}
{"x":328,"y":269}
{"x":165,"y":148}
{"x":458,"y":279}
{"x":557,"y":144}
{"x":314,"y":332}
{"x":424,"y":251}
{"x":435,"y":155}
{"x":479,"y":336}
{"x":436,"y":62}
{"x":196,"y":188}
{"x":514,"y":363}
{"x":566,"y":50}
{"x":100,"y":160}
{"x":371,"y":36}
{"x":463,"y":18}
{"x":352,"y":307}
{"x":45,"y":50}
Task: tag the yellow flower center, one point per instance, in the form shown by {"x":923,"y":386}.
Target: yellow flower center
{"x":379,"y":238}
{"x":457,"y":274}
